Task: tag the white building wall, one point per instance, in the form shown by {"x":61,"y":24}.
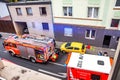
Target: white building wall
{"x":110,"y":14}
{"x":80,"y":10}
{"x":3,"y":10}
{"x":36,"y":18}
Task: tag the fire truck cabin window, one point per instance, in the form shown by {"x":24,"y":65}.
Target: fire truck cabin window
{"x":39,"y":54}
{"x":5,"y":44}
{"x":12,"y":45}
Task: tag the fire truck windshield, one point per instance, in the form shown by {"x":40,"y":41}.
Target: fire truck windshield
{"x":39,"y":54}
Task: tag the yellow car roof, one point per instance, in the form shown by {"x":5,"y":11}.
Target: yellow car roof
{"x":76,"y":44}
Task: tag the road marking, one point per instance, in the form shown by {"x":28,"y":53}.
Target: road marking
{"x":57,"y":64}
{"x":3,"y":51}
{"x":54,"y":74}
{"x":64,"y":74}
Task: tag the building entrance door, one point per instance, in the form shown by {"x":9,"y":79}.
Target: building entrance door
{"x":106,"y":41}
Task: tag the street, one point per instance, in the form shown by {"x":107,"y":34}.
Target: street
{"x":56,"y":69}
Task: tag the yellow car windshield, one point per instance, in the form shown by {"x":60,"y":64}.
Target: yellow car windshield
{"x":68,"y":44}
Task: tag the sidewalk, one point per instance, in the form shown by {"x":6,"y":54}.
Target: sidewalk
{"x":95,"y":50}
{"x":12,"y":71}
{"x":5,"y":35}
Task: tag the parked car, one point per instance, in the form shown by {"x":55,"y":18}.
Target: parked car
{"x":73,"y":47}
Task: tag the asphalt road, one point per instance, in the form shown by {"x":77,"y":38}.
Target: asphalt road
{"x":56,"y":69}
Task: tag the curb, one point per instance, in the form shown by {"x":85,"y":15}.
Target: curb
{"x":8,"y":61}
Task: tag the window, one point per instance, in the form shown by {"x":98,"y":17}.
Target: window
{"x":90,"y":34}
{"x":117,"y":3}
{"x":83,"y":46}
{"x":117,"y":39}
{"x":12,"y":45}
{"x":33,"y":25}
{"x":69,"y":48}
{"x":68,"y":32}
{"x":68,"y":44}
{"x":29,"y":11}
{"x":100,"y":62}
{"x":43,"y":11}
{"x":45,"y":26}
{"x":67,"y":11}
{"x":39,"y":54}
{"x":76,"y":48}
{"x":115,"y":22}
{"x":18,"y":10}
{"x":93,"y":12}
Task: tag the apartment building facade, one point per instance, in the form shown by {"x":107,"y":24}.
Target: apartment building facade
{"x":3,"y":9}
{"x":33,"y":17}
{"x":93,"y":22}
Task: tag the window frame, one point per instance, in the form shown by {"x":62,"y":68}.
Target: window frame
{"x":42,"y":12}
{"x":33,"y":25}
{"x":117,"y":39}
{"x":44,"y":26}
{"x":91,"y":14}
{"x":68,"y":32}
{"x":17,"y":10}
{"x":117,"y":3}
{"x":27,"y":10}
{"x":115,"y":23}
{"x":67,"y":11}
{"x":70,"y":48}
{"x":76,"y":48}
{"x":90,"y":34}
{"x":68,"y":44}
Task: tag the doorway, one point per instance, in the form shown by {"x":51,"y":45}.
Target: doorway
{"x":22,"y":28}
{"x":106,"y":41}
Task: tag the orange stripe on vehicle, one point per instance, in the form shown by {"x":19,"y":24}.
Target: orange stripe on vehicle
{"x":111,"y":61}
{"x":68,"y":58}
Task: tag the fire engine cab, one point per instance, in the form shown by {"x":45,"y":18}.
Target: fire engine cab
{"x":87,"y":67}
{"x":37,"y":49}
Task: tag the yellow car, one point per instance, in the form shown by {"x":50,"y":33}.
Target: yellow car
{"x":73,"y":47}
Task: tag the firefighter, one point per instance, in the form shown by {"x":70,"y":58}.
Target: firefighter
{"x":54,"y":57}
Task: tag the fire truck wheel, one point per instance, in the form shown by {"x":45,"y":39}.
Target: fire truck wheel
{"x":11,"y":53}
{"x":32,"y":60}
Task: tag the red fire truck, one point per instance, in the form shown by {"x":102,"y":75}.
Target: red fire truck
{"x":37,"y":49}
{"x":87,"y":67}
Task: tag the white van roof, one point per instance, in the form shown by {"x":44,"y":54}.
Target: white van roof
{"x":90,"y":62}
